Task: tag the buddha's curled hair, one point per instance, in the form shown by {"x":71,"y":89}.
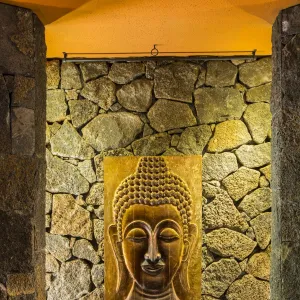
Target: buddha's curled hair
{"x":153,"y":184}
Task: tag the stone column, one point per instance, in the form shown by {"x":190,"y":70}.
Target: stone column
{"x":22,"y":152}
{"x":285,"y":281}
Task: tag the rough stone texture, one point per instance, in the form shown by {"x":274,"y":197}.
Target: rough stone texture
{"x":257,"y":72}
{"x":99,"y":230}
{"x":65,"y":209}
{"x":53,"y":74}
{"x":258,"y":118}
{"x":259,"y":265}
{"x":221,"y":213}
{"x":24,"y":92}
{"x":95,"y":295}
{"x":262,"y":229}
{"x":137,"y":95}
{"x":241,"y":182}
{"x":56,"y":106}
{"x":201,"y":78}
{"x":92,"y":70}
{"x":96,"y":194}
{"x":166,"y":114}
{"x":86,"y":169}
{"x":73,"y":281}
{"x":101,"y":91}
{"x":23,"y":131}
{"x":227,"y":243}
{"x":175,"y":81}
{"x":20,"y":284}
{"x":254,"y":156}
{"x":257,"y":202}
{"x":62,"y":177}
{"x":194,"y":139}
{"x":218,"y":104}
{"x":218,"y":166}
{"x":207,"y":258}
{"x":229,"y":135}
{"x":111,"y":131}
{"x":151,"y":145}
{"x":68,"y":143}
{"x":267,"y":171}
{"x":84,"y":249}
{"x":218,"y":276}
{"x":52,"y":265}
{"x":98,"y":275}
{"x":220,"y":73}
{"x":172,"y":152}
{"x":58,"y":246}
{"x":123,"y":73}
{"x":48,"y":206}
{"x":82,"y":111}
{"x":248,"y":288}
{"x":70,"y":76}
{"x":259,"y":94}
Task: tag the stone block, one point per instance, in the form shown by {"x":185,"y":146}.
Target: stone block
{"x":20,"y":284}
{"x":24,"y":92}
{"x":122,"y":73}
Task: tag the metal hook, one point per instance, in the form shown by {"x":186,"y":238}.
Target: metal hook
{"x":154,"y":51}
{"x":254,"y":53}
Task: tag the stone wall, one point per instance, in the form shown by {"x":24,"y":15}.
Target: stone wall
{"x":22,"y":154}
{"x":217,"y":108}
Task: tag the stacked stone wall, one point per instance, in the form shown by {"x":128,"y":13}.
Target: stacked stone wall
{"x":218,"y":109}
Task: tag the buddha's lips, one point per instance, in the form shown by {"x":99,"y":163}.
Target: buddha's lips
{"x":153,"y":270}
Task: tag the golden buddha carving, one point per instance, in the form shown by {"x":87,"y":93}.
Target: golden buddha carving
{"x":153,"y":235}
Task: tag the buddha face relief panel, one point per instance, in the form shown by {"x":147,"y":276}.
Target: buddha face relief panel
{"x":152,"y":227}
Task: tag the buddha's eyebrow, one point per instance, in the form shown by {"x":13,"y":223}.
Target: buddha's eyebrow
{"x":138,"y":224}
{"x":169,"y":223}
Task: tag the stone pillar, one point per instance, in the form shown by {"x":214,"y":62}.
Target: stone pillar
{"x":22,"y":152}
{"x":285,"y":281}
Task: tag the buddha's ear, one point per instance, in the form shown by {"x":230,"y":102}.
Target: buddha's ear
{"x":188,"y":249}
{"x":116,"y":245}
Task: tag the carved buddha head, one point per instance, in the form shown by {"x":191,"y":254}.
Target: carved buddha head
{"x":153,"y":235}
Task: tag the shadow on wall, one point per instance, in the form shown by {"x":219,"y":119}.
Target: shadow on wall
{"x":219,"y":109}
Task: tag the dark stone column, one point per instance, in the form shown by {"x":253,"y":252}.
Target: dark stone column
{"x":285,"y":281}
{"x":22,"y":154}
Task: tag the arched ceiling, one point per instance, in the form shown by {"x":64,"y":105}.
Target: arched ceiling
{"x":175,"y":25}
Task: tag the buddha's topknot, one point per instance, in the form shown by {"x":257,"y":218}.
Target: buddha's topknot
{"x":153,"y":184}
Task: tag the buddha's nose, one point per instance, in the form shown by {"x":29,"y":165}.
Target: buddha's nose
{"x":152,"y":255}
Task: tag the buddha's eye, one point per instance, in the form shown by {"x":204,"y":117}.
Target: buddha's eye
{"x":169,"y":235}
{"x":136,"y":235}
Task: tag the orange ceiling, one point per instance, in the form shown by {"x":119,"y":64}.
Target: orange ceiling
{"x":175,"y":25}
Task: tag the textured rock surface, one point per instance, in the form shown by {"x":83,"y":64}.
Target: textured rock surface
{"x":53,"y":74}
{"x":257,"y":202}
{"x":228,"y":243}
{"x":58,"y":246}
{"x":84,"y":249}
{"x":254,"y":156}
{"x":66,"y":209}
{"x":220,"y":73}
{"x":56,"y":106}
{"x":218,"y":104}
{"x":111,"y":131}
{"x":241,"y":182}
{"x":257,"y":72}
{"x":248,"y":288}
{"x":218,"y":166}
{"x":82,"y":111}
{"x":62,"y":177}
{"x":262,"y":229}
{"x":259,"y":94}
{"x":165,"y":115}
{"x":151,"y":145}
{"x":221,"y":213}
{"x":267,"y":171}
{"x":258,"y":118}
{"x":52,"y":265}
{"x":96,"y":194}
{"x":72,"y":282}
{"x":229,"y":135}
{"x":86,"y":169}
{"x":259,"y":265}
{"x":194,"y":139}
{"x":123,"y":73}
{"x":218,"y":276}
{"x":101,"y":91}
{"x":92,"y":70}
{"x":137,"y":95}
{"x":70,"y":76}
{"x":98,"y":275}
{"x":99,"y":230}
{"x":68,"y":143}
{"x":175,"y":81}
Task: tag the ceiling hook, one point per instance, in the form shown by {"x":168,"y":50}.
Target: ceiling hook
{"x":154,"y":51}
